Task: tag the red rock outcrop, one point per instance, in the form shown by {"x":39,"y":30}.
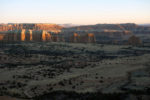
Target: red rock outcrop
{"x":48,"y":27}
{"x":2,"y":37}
{"x":75,"y":38}
{"x":30,"y":35}
{"x":41,"y":36}
{"x":23,"y":36}
{"x":46,"y":36}
{"x":88,"y":38}
{"x":17,"y":35}
{"x":91,"y":38}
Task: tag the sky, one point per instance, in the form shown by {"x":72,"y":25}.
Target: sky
{"x":75,"y":11}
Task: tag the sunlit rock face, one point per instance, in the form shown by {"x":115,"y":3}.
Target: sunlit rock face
{"x":48,"y":27}
{"x":87,"y":38}
{"x":23,"y":36}
{"x":46,"y":36}
{"x":43,"y":36}
{"x":16,"y":35}
{"x":91,"y":38}
{"x":28,"y":35}
{"x":102,"y":33}
{"x":30,"y":32}
{"x":75,"y":38}
{"x":2,"y":37}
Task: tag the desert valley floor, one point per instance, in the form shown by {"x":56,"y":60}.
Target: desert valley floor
{"x":30,"y":70}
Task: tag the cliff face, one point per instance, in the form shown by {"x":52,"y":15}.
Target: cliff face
{"x":29,"y":32}
{"x":48,"y":27}
{"x":125,"y":29}
{"x":2,"y":36}
{"x":83,"y":34}
{"x":87,"y":38}
{"x":75,"y":38}
{"x":29,"y":35}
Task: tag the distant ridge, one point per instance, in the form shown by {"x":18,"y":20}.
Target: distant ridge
{"x":148,"y":25}
{"x":68,"y":25}
{"x":32,"y":26}
{"x":73,"y":33}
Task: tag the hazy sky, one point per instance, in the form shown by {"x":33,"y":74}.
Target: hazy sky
{"x":75,"y":11}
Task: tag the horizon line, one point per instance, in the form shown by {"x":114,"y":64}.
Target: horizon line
{"x":72,"y":23}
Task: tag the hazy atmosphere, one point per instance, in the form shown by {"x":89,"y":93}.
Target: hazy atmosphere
{"x":75,"y":11}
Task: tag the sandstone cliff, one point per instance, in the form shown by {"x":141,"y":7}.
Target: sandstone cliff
{"x":87,"y":38}
{"x":48,"y":27}
{"x":102,"y":33}
{"x":30,"y":35}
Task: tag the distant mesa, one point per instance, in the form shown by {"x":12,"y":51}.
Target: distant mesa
{"x":76,"y":34}
{"x":49,"y":27}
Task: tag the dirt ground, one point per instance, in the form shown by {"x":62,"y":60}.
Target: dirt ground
{"x":82,"y":68}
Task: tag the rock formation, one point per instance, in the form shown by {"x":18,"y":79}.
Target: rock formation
{"x":102,"y":33}
{"x":48,"y":27}
{"x":87,"y":38}
{"x":30,"y":35}
{"x":41,"y":36}
{"x":91,"y":38}
{"x":37,"y":36}
{"x":75,"y":38}
{"x":57,"y":37}
{"x":2,"y":37}
{"x":23,"y":35}
{"x":46,"y":36}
